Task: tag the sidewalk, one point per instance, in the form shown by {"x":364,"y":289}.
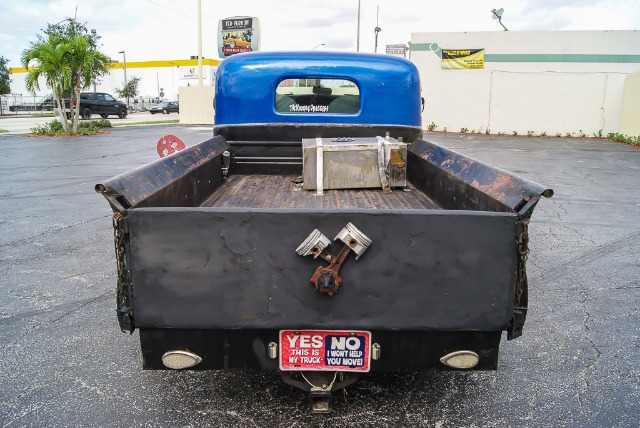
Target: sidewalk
{"x":22,"y":123}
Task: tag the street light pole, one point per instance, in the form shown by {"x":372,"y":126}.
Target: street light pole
{"x":93,"y":34}
{"x":377,"y":30}
{"x":124,"y":57}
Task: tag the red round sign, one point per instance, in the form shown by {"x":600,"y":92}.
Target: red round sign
{"x":169,"y":144}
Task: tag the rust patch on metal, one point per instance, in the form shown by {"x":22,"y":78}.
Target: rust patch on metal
{"x":396,"y":159}
{"x":498,"y":188}
{"x":327,"y":279}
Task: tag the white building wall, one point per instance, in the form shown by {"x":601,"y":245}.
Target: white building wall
{"x":552,"y":82}
{"x":630,"y":122}
{"x":153,"y":78}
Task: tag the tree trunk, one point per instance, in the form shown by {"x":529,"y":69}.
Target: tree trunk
{"x":63,"y":115}
{"x":56,"y":103}
{"x":65,"y":122}
{"x":77,"y":112}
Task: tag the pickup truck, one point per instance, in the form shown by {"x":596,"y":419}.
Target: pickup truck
{"x":318,"y":233}
{"x":98,"y":103}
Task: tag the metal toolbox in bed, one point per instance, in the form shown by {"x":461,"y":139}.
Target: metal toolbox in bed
{"x":353,"y":163}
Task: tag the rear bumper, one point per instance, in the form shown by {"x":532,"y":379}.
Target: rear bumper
{"x":247,"y":349}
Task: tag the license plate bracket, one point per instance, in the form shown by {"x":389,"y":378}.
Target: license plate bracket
{"x":325,"y":350}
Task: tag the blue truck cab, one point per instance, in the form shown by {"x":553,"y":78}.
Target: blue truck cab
{"x":308,"y":89}
{"x":319,"y":234}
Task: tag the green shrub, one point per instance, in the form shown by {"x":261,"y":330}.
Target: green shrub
{"x":85,"y":127}
{"x":102,"y":123}
{"x":621,"y":138}
{"x":50,"y":128}
{"x":432,"y":126}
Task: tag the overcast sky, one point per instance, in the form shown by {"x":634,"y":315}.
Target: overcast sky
{"x":167,"y":29}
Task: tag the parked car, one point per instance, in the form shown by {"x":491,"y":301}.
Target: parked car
{"x":165,"y":107}
{"x":98,"y":103}
{"x":233,"y":42}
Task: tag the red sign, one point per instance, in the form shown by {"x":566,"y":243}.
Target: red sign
{"x":230,"y":51}
{"x":324,"y":350}
{"x":168,"y":145}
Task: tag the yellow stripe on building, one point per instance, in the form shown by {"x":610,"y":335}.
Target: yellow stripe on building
{"x":142,"y":64}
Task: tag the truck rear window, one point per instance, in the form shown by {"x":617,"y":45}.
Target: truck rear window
{"x":313,"y":95}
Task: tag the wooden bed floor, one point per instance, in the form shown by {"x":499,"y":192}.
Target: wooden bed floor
{"x":282,"y":191}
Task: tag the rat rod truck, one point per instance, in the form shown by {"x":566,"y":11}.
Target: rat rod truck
{"x":317,"y":233}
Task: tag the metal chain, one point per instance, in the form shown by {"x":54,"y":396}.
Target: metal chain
{"x":523,"y":254}
{"x":328,"y":388}
{"x":121,"y":266}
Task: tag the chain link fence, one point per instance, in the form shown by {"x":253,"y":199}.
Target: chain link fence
{"x":25,"y":104}
{"x":14,"y":104}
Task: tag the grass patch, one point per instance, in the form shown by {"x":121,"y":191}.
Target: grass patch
{"x":147,"y":122}
{"x":3,"y":130}
{"x":85,"y":127}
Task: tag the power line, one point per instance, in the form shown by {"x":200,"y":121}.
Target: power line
{"x":171,"y":9}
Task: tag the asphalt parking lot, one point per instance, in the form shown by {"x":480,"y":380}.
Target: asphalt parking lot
{"x":65,"y":363}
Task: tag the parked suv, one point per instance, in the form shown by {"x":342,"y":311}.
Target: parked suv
{"x":100,"y":103}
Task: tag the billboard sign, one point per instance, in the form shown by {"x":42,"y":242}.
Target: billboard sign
{"x":396,"y":49}
{"x":238,"y":34}
{"x":462,"y":58}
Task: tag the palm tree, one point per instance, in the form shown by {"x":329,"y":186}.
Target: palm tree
{"x":50,"y":57}
{"x":86,"y":65}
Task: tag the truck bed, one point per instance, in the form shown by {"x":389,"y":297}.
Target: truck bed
{"x":285,"y":191}
{"x":203,"y":258}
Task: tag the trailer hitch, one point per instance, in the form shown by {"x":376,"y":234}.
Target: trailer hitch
{"x":326,"y":279}
{"x":320,"y":386}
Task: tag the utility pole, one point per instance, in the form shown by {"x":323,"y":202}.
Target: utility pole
{"x":200,"y":43}
{"x":358,"y":36}
{"x":124,"y":57}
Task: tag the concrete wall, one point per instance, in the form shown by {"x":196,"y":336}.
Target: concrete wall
{"x":196,"y":105}
{"x":630,"y":121}
{"x":552,"y":82}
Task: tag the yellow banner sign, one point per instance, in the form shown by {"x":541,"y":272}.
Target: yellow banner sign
{"x":462,"y":58}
